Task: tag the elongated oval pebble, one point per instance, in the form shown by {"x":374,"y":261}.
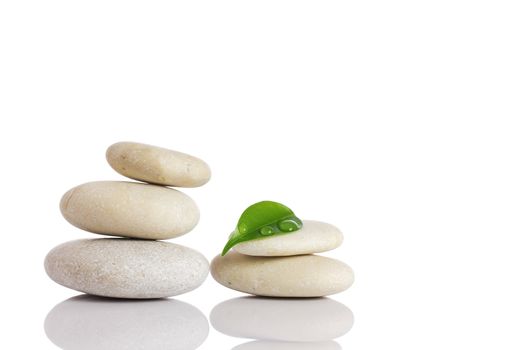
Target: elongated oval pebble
{"x":289,"y":276}
{"x":129,"y":209}
{"x":126,"y":268}
{"x":313,"y":237}
{"x":86,"y":322}
{"x":291,"y":320}
{"x":157,"y":165}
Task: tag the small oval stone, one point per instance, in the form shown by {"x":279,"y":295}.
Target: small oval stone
{"x":86,"y":322}
{"x":126,"y":268}
{"x":313,"y":237}
{"x":289,"y":276}
{"x":290,"y":320}
{"x":157,"y":165}
{"x":130,"y":209}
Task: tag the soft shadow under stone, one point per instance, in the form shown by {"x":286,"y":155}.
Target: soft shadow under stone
{"x":289,"y":320}
{"x":273,"y":345}
{"x":88,"y":322}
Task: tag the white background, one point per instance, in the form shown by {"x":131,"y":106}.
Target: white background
{"x":385,"y":118}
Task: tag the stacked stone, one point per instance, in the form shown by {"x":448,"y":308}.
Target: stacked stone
{"x":138,"y":266}
{"x":285,"y":265}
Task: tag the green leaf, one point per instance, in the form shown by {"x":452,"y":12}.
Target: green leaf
{"x":261,"y":220}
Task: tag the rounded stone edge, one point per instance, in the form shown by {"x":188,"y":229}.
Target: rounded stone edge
{"x":66,"y":197}
{"x":336,"y":244}
{"x":110,"y":156}
{"x":201,"y":280}
{"x":347,"y":268}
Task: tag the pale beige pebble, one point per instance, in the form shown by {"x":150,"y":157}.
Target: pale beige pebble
{"x":130,"y":209}
{"x":281,"y":319}
{"x":289,"y":276}
{"x":157,"y":165}
{"x":126,"y":268}
{"x":313,"y":237}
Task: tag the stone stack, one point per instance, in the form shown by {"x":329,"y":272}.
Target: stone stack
{"x":285,"y":265}
{"x":138,"y":266}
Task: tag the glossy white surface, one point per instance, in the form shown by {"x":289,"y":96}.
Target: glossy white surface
{"x":87,"y":322}
{"x":385,"y":118}
{"x":287,"y":320}
{"x":273,"y":345}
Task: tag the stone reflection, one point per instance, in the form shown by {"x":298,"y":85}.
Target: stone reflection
{"x":283,"y":323}
{"x":283,"y":345}
{"x":88,"y":322}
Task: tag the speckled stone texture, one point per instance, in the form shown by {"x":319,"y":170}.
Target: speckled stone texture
{"x":296,"y":320}
{"x":289,"y":276}
{"x":157,"y":165}
{"x":126,"y":268}
{"x":130,"y":209}
{"x":86,"y":322}
{"x":313,"y":237}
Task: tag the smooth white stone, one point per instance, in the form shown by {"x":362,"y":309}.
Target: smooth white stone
{"x":126,"y":268}
{"x":157,"y":165}
{"x":293,"y":320}
{"x":289,"y":276}
{"x":281,"y":345}
{"x":130,"y":209}
{"x":313,"y":237}
{"x":86,"y":322}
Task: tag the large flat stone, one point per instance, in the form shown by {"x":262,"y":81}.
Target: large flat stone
{"x":126,"y":268}
{"x":290,"y":276}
